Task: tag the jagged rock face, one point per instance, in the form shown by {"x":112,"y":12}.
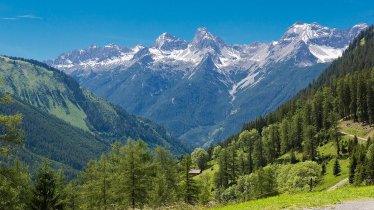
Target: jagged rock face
{"x":203,"y":90}
{"x":167,"y":42}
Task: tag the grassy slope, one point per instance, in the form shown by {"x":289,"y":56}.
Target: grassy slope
{"x":355,"y":128}
{"x":312,"y":199}
{"x":41,"y":88}
{"x":329,"y":179}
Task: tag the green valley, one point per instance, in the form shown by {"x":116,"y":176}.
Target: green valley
{"x":64,"y":148}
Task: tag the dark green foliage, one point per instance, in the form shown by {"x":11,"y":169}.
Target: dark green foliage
{"x":46,"y":135}
{"x":136,"y":173}
{"x":14,"y":187}
{"x":129,"y":176}
{"x":200,"y":158}
{"x":189,"y":188}
{"x":323,"y":171}
{"x":293,"y":159}
{"x":222,"y":177}
{"x":310,"y":144}
{"x":336,"y":170}
{"x":45,"y":193}
{"x":165,"y":185}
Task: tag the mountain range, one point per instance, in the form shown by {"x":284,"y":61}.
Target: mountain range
{"x":204,"y":90}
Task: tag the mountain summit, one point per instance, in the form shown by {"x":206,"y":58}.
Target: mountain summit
{"x":203,"y":90}
{"x":168,"y":42}
{"x":204,"y":39}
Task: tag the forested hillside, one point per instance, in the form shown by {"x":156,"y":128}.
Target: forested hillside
{"x":298,"y":129}
{"x":65,"y":123}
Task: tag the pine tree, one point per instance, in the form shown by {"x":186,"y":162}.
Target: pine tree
{"x":327,"y":108}
{"x":233,"y":166}
{"x":352,"y":168}
{"x":353,"y":91}
{"x":15,"y":187}
{"x":284,"y":136}
{"x":221,"y":177}
{"x":370,"y":165}
{"x":310,"y":145}
{"x":297,"y":131}
{"x":247,"y":139}
{"x":323,"y":171}
{"x":165,"y":184}
{"x":45,"y":195}
{"x":270,"y":136}
{"x":258,"y":154}
{"x":318,"y":111}
{"x":190,"y":190}
{"x":96,"y":186}
{"x":10,"y":133}
{"x":361,"y":100}
{"x":14,"y":182}
{"x":370,"y":101}
{"x":72,"y":195}
{"x":336,"y":169}
{"x":359,"y":175}
{"x":136,"y":168}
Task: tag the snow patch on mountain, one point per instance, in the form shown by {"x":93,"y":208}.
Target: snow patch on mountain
{"x":326,"y":53}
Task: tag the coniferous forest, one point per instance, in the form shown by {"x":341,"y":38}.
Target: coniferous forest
{"x":290,"y":150}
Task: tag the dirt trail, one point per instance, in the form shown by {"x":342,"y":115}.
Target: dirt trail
{"x":350,"y":205}
{"x":339,"y":184}
{"x":348,"y":134}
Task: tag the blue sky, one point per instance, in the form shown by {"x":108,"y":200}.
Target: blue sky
{"x":43,"y":29}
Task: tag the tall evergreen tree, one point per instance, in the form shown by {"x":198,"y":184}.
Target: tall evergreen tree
{"x":15,"y":186}
{"x":45,"y":195}
{"x":247,"y":139}
{"x":270,"y":136}
{"x":284,"y":135}
{"x":370,"y":101}
{"x":297,"y":131}
{"x":258,"y":154}
{"x":361,"y":100}
{"x":190,"y":190}
{"x":353,"y":91}
{"x":222,"y":176}
{"x":352,"y":168}
{"x":165,"y":185}
{"x":136,"y":169}
{"x":96,"y":188}
{"x":318,"y":111}
{"x":336,"y":169}
{"x":310,"y":145}
{"x":10,"y":133}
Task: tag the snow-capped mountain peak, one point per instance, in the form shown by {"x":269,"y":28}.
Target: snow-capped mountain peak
{"x":204,"y":39}
{"x":357,"y":28}
{"x":304,"y":32}
{"x":168,"y":42}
